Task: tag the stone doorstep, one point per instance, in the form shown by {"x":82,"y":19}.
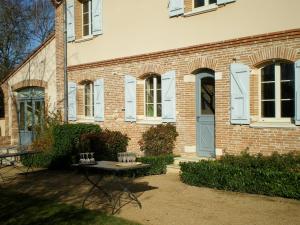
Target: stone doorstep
{"x":175,"y":168}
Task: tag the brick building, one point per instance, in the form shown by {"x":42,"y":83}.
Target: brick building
{"x":225,"y":72}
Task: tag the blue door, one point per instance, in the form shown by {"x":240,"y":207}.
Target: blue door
{"x":30,"y":113}
{"x":205,"y":91}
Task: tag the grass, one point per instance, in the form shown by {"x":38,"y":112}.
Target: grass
{"x":22,"y":209}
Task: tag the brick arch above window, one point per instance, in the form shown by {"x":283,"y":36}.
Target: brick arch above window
{"x":150,"y":69}
{"x":29,"y":83}
{"x":201,"y":63}
{"x":266,"y":54}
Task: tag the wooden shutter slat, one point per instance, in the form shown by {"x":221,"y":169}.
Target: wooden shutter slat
{"x":168,"y":86}
{"x":240,"y":93}
{"x":99,"y":100}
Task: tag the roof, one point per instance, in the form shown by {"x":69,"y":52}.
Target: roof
{"x":30,"y":56}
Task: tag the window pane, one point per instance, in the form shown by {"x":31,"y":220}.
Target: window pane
{"x":268,"y":91}
{"x":287,"y":108}
{"x":287,"y":71}
{"x":149,"y":110}
{"x":158,"y":82}
{"x":86,"y":30}
{"x":86,"y":6}
{"x":268,"y":73}
{"x":149,"y":83}
{"x":207,"y":96}
{"x":287,"y":90}
{"x":158,"y":110}
{"x":199,"y":3}
{"x":87,"y":110}
{"x":158,"y":96}
{"x":149,"y":96}
{"x":29,"y":116}
{"x":85,"y":18}
{"x":268,"y":109}
{"x":212,"y":1}
{"x":22,"y":115}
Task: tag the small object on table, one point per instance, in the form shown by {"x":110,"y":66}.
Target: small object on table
{"x":87,"y":158}
{"x":126,"y":157}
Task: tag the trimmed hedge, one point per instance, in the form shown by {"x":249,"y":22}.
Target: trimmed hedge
{"x":242,"y":175}
{"x":158,"y":164}
{"x":65,"y":148}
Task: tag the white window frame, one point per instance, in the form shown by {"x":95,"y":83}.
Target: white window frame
{"x":90,"y":18}
{"x":154,"y":117}
{"x":206,"y":5}
{"x":91,"y":104}
{"x":277,"y":117}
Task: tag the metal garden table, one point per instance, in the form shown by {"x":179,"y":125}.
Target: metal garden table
{"x":7,"y":158}
{"x":114,"y":168}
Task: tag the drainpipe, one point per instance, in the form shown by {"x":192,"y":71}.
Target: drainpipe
{"x":65,"y":65}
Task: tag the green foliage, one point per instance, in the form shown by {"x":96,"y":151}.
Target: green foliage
{"x":41,"y":160}
{"x":66,"y":142}
{"x":285,"y":162}
{"x":106,"y":144}
{"x":158,"y":164}
{"x":22,"y":209}
{"x":267,"y":175}
{"x":159,"y":140}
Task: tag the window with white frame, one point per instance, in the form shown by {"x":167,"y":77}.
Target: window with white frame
{"x":201,"y":3}
{"x":153,"y":96}
{"x":89,"y":99}
{"x":277,"y":89}
{"x":86,"y":17}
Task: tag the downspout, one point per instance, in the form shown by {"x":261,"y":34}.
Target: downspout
{"x":65,"y":65}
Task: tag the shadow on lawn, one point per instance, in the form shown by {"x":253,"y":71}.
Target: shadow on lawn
{"x":71,"y":187}
{"x":21,"y":209}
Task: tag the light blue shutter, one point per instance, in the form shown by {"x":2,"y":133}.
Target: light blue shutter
{"x":130,"y":98}
{"x":70,"y":20}
{"x":72,"y":101}
{"x":297,"y":92}
{"x":240,"y":93}
{"x":97,"y":17}
{"x":168,"y":88}
{"x":176,"y":7}
{"x":99,"y":100}
{"x":223,"y":2}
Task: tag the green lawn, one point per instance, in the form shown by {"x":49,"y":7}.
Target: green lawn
{"x":21,"y":209}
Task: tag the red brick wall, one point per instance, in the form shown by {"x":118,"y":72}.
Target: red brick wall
{"x":218,"y":57}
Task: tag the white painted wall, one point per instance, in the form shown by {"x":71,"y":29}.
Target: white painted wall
{"x":135,"y":27}
{"x":41,"y":66}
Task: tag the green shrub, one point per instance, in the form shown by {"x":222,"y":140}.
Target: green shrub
{"x":244,"y":175}
{"x":158,"y":164}
{"x":41,"y":160}
{"x":159,"y":140}
{"x":66,"y":143}
{"x":106,"y":144}
{"x":284,"y":162}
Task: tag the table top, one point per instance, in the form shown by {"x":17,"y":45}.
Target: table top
{"x":6,"y":155}
{"x":113,"y":166}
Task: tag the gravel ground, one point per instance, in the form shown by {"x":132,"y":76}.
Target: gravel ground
{"x":167,"y":201}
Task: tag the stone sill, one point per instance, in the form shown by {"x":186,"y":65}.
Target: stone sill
{"x":149,"y":122}
{"x":273,"y":125}
{"x":200,"y":10}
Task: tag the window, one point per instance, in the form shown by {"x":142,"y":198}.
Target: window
{"x":200,"y":3}
{"x":277,"y":90}
{"x":86,"y":17}
{"x":89,"y":99}
{"x":153,"y":96}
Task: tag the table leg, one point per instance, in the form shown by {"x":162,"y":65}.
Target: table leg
{"x":95,"y":185}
